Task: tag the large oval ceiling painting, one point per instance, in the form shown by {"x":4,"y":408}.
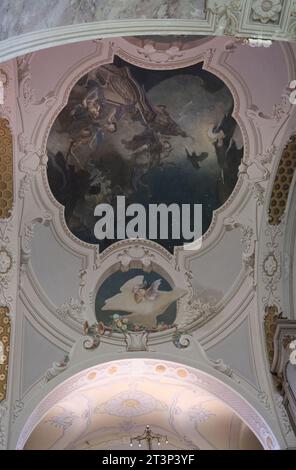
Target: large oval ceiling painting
{"x":144,"y":137}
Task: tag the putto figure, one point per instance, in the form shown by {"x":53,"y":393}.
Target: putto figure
{"x":142,"y":292}
{"x":144,"y":304}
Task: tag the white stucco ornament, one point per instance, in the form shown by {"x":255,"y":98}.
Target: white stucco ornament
{"x":5,"y":261}
{"x":293,"y":353}
{"x":266,"y":10}
{"x":163,"y":56}
{"x":226,"y":12}
{"x":270,"y":265}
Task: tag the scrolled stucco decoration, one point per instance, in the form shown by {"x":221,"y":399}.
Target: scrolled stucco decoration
{"x":226,"y":14}
{"x":271,"y":264}
{"x":185,"y":340}
{"x":4,"y":350}
{"x":6,"y":169}
{"x":153,"y":55}
{"x":136,"y":256}
{"x":257,"y":171}
{"x":292,"y":357}
{"x":56,"y":369}
{"x":283,"y":414}
{"x":292,"y":22}
{"x":5,"y":109}
{"x":264,"y":398}
{"x":28,"y":234}
{"x":7,"y":262}
{"x":220,"y":365}
{"x":3,"y":415}
{"x":73,"y":313}
{"x":194,"y":311}
{"x":17,"y":409}
{"x":281,"y":370}
{"x":280,"y":112}
{"x":248,"y":240}
{"x":266,"y":11}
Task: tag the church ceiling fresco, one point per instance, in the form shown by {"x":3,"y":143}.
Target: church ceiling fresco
{"x":97,"y":415}
{"x":134,"y":301}
{"x":151,"y":136}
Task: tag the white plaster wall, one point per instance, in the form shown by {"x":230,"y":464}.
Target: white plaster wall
{"x":38,"y":356}
{"x":269,"y":80}
{"x":242,"y":360}
{"x":56,"y":270}
{"x":208,"y":277}
{"x":48,"y":69}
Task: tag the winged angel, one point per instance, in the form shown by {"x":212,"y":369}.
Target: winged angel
{"x":144,"y":304}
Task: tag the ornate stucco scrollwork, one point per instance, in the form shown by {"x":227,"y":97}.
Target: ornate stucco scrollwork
{"x":3,"y":414}
{"x":6,"y":263}
{"x":73,"y":313}
{"x":292,"y":358}
{"x":257,"y":172}
{"x":17,"y":409}
{"x":283,"y":372}
{"x":226,"y":14}
{"x":271,"y":264}
{"x":181,"y":340}
{"x":136,"y":255}
{"x":94,"y":334}
{"x":248,"y":240}
{"x":195,"y":311}
{"x":6,"y":169}
{"x":56,"y":369}
{"x":4,"y":350}
{"x":292,"y":21}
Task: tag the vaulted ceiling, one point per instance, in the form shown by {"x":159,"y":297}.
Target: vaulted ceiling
{"x":190,"y":65}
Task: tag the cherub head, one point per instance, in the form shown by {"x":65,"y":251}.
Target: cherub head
{"x":110,"y":127}
{"x":93,"y":107}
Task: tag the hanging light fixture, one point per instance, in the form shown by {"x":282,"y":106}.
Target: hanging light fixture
{"x":148,"y":437}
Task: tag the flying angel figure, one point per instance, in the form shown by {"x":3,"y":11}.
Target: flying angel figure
{"x":143,"y":304}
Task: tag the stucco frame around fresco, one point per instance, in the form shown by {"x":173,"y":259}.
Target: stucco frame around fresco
{"x":265,"y":135}
{"x":96,"y":266}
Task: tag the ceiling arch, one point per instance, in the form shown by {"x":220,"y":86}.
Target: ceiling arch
{"x":132,"y":391}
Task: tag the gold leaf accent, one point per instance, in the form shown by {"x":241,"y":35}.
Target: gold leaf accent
{"x":6,"y":169}
{"x":282,"y":183}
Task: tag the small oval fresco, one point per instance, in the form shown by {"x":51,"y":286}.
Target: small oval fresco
{"x":150,"y":136}
{"x":137,"y":301}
